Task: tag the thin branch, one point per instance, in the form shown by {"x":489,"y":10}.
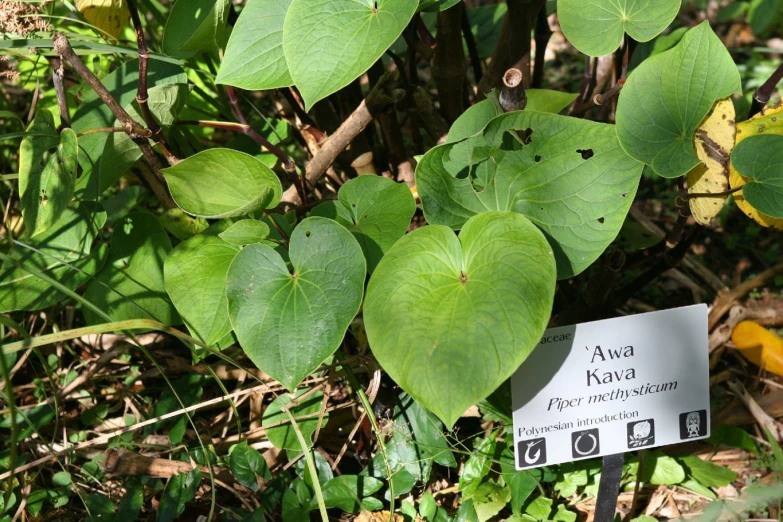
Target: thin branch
{"x":142,"y":96}
{"x":763,"y":94}
{"x":59,"y":90}
{"x":475,"y":59}
{"x":140,"y":131}
{"x":542,"y":35}
{"x":287,"y":163}
{"x":64,"y":49}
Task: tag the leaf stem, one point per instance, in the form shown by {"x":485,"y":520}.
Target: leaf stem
{"x":694,"y":195}
{"x":58,"y":70}
{"x":764,"y":92}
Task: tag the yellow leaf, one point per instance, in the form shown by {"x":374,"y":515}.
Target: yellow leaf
{"x":759,"y":346}
{"x":770,"y":121}
{"x":379,"y":516}
{"x":109,"y":16}
{"x":713,"y":140}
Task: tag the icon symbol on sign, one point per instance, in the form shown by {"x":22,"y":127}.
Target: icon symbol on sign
{"x":585,"y":443}
{"x":641,"y":433}
{"x":693,"y":424}
{"x":531,"y":452}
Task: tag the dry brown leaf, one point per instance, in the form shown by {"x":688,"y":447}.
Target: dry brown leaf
{"x":379,"y":516}
{"x":109,"y":16}
{"x":769,"y":121}
{"x":713,"y":140}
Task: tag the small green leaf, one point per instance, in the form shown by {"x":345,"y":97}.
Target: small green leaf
{"x":349,"y":492}
{"x":660,"y":469}
{"x":182,"y":226}
{"x":434,"y":298}
{"x":248,"y":465}
{"x":284,"y":436}
{"x":732,"y":436}
{"x":254,"y":58}
{"x":539,"y":508}
{"x":707,"y":473}
{"x":195,"y":25}
{"x":666,"y":98}
{"x":289,"y":323}
{"x":477,"y":466}
{"x":219,"y":183}
{"x":245,"y":232}
{"x":760,"y":159}
{"x":436,"y":5}
{"x":596,"y":27}
{"x":180,"y":489}
{"x":61,"y":479}
{"x":427,"y":506}
{"x":329,"y":44}
{"x":568,"y":176}
{"x":376,"y":210}
{"x":195,"y":278}
{"x":130,"y":285}
{"x":47,"y":173}
{"x":489,"y":499}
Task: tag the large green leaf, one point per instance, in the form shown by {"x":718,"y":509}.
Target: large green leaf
{"x":571,"y":178}
{"x":289,"y":323}
{"x":284,"y":436}
{"x":47,"y":173}
{"x":219,"y":183}
{"x":450,"y":319}
{"x":254,"y":56}
{"x":329,"y":44}
{"x":760,"y":159}
{"x":130,"y":285}
{"x":92,"y":113}
{"x":195,"y":278}
{"x":666,"y":98}
{"x":596,"y":27}
{"x":68,"y":241}
{"x":376,"y":210}
{"x":195,"y":25}
{"x":350,"y":493}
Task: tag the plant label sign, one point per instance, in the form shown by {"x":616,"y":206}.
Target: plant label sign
{"x":613,"y":386}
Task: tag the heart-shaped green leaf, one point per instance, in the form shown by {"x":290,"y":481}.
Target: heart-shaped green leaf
{"x":254,"y":57}
{"x":666,"y":98}
{"x":283,"y":435}
{"x":596,"y":27}
{"x":195,"y":279}
{"x":219,"y":183}
{"x":63,"y":252}
{"x":569,"y":176}
{"x":290,"y":323}
{"x":195,"y":25}
{"x":329,"y":44}
{"x":47,"y":173}
{"x":376,"y":210}
{"x":760,"y":158}
{"x":450,"y":319}
{"x":245,"y":232}
{"x":130,"y":285}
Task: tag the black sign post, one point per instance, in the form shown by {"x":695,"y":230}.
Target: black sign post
{"x":609,"y":487}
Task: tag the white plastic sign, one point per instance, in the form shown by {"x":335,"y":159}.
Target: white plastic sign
{"x":612,"y":386}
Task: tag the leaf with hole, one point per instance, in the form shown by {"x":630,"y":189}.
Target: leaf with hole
{"x":254,"y":58}
{"x":195,"y":278}
{"x":63,"y":252}
{"x":130,"y":285}
{"x":569,"y":176}
{"x":290,"y":321}
{"x":195,"y":25}
{"x":245,"y":232}
{"x":759,"y":159}
{"x":597,"y":27}
{"x":329,"y":44}
{"x":714,"y":140}
{"x":220,"y":183}
{"x":278,"y":425}
{"x":47,"y":173}
{"x":668,"y":96}
{"x":376,"y":210}
{"x":449,"y":318}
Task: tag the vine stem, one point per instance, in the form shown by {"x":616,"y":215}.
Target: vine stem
{"x":694,"y":195}
{"x":764,"y":92}
{"x":58,"y":72}
{"x":142,"y":96}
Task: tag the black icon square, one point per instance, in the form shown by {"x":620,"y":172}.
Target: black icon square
{"x":532,"y":452}
{"x":641,"y":433}
{"x":585,"y":443}
{"x":693,"y":424}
